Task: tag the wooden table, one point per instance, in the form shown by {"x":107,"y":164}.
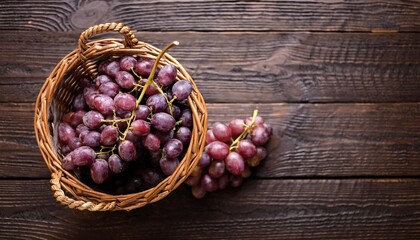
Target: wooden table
{"x":338,"y":80}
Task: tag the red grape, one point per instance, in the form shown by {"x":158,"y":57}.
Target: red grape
{"x":125,"y":102}
{"x":67,"y":163}
{"x":91,"y":138}
{"x":127,"y":150}
{"x":184,"y":135}
{"x":140,"y":127}
{"x":81,"y":128}
{"x":125,"y":80}
{"x":112,"y":68}
{"x":235,"y":181}
{"x":193,"y":181}
{"x":104,"y":104}
{"x":217,"y":150}
{"x":198,"y":192}
{"x":222,"y":132}
{"x":223,"y":181}
{"x":157,"y":103}
{"x":74,"y":143}
{"x":216,"y":169}
{"x":205,"y":160}
{"x":99,"y":171}
{"x":210,"y":136}
{"x":127,"y":62}
{"x":235,"y":163}
{"x":115,"y":164}
{"x":186,"y":118}
{"x":79,"y":102}
{"x":93,"y":119}
{"x":142,"y":112}
{"x":260,"y":136}
{"x":109,"y":136}
{"x":237,"y":127}
{"x":167,"y":75}
{"x":110,"y":89}
{"x":151,"y":142}
{"x":168,"y":165}
{"x":181,"y":89}
{"x":173,"y":148}
{"x":209,"y":184}
{"x":65,"y":132}
{"x":246,"y":148}
{"x":144,"y":67}
{"x":163,"y":122}
{"x":101,"y":79}
{"x":83,"y":156}
{"x":151,"y":176}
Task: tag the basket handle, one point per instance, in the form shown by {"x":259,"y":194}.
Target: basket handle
{"x":129,"y":39}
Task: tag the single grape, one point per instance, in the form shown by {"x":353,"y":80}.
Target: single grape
{"x":74,"y":118}
{"x":186,"y":118}
{"x":83,"y":156}
{"x":151,"y":89}
{"x":104,"y":104}
{"x":151,"y":142}
{"x":222,"y":132}
{"x":167,"y":75}
{"x":99,"y":171}
{"x":236,"y":127}
{"x":173,"y":148}
{"x":91,"y":138}
{"x":182,"y":89}
{"x":125,"y":80}
{"x":260,"y":136}
{"x":163,"y":122}
{"x":235,"y":181}
{"x":65,"y":133}
{"x":198,"y":192}
{"x":235,"y":163}
{"x":193,"y":181}
{"x":184,"y":135}
{"x":151,"y":176}
{"x":144,"y":67}
{"x":157,"y":103}
{"x":93,"y":119}
{"x":217,"y":150}
{"x":74,"y":143}
{"x":140,"y":127}
{"x":268,"y":128}
{"x":125,"y":102}
{"x":127,"y":150}
{"x":223,"y":181}
{"x":81,"y":128}
{"x":216,"y":169}
{"x":109,"y":135}
{"x":210,"y":136}
{"x":115,"y":164}
{"x":142,"y":112}
{"x":133,"y":185}
{"x":101,"y":79}
{"x":209,"y":184}
{"x":246,"y":148}
{"x":67,"y":163}
{"x":205,"y":160}
{"x":112,"y":68}
{"x":256,"y":160}
{"x":123,"y":114}
{"x":262,"y":152}
{"x":168,"y":165}
{"x":79,"y":103}
{"x":127,"y":62}
{"x":110,"y":89}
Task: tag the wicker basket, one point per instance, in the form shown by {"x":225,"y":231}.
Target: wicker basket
{"x":55,"y":99}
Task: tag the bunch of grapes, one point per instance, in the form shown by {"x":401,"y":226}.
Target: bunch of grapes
{"x":231,"y":150}
{"x":130,"y":126}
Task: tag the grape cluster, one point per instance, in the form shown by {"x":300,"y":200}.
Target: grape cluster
{"x":231,"y":150}
{"x":129,"y":128}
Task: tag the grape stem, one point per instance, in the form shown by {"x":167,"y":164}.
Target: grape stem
{"x":147,"y":84}
{"x":247,"y":129}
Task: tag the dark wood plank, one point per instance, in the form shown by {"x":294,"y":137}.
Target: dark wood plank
{"x":331,"y":140}
{"x":284,"y":67}
{"x":267,"y":209}
{"x":163,"y":15}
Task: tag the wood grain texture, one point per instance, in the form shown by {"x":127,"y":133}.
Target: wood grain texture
{"x":264,"y":209}
{"x":163,"y":15}
{"x":230,"y":67}
{"x":322,"y":140}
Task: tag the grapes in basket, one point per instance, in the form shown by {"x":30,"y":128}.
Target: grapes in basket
{"x":232,"y":150}
{"x":129,"y":127}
